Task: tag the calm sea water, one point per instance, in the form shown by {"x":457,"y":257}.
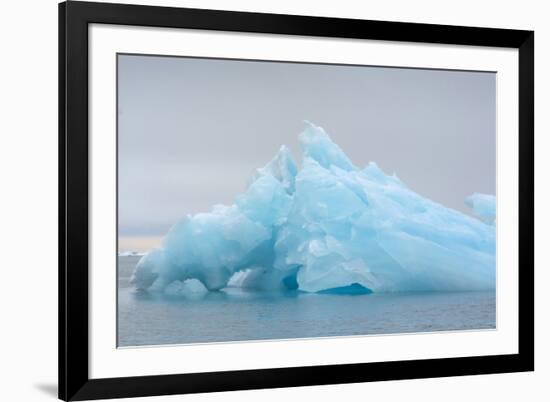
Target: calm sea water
{"x":237,"y":315}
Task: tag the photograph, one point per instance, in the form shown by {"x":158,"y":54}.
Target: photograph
{"x":256,"y":199}
{"x":264,"y":200}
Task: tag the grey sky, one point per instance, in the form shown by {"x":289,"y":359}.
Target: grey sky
{"x":192,"y":131}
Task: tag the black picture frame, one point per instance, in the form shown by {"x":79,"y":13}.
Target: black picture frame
{"x":74,"y":381}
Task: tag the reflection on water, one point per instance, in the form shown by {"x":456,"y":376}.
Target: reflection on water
{"x":235,"y":315}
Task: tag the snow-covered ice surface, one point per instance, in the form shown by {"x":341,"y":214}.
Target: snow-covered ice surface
{"x":328,"y":227}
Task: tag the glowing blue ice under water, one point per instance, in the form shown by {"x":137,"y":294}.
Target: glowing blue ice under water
{"x":329,"y":227}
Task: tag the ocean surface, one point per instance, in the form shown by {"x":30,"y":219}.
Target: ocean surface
{"x":237,"y":315}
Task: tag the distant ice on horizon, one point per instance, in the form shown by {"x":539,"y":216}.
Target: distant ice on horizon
{"x":131,"y":254}
{"x":329,"y":226}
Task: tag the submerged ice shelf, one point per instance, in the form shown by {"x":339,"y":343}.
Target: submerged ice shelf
{"x":330,"y":226}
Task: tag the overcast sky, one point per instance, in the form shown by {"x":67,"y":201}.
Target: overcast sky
{"x":192,"y":131}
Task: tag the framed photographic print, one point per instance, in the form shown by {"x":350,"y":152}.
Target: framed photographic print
{"x":257,"y":200}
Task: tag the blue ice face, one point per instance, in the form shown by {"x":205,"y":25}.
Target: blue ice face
{"x":329,"y":226}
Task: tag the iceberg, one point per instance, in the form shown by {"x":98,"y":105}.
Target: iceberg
{"x":484,"y":206}
{"x":328,"y":227}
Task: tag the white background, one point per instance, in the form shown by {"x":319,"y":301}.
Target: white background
{"x":28,"y":213}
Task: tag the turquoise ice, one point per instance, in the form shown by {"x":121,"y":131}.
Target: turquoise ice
{"x":328,"y":227}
